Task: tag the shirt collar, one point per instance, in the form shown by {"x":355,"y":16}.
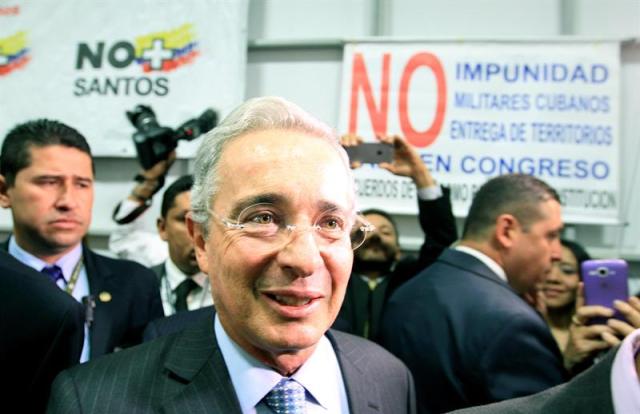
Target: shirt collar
{"x":625,"y":385}
{"x":67,"y":262}
{"x":320,"y":370}
{"x":489,"y":262}
{"x":175,"y":275}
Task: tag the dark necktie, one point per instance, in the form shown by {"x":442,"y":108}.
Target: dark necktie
{"x":288,"y":396}
{"x":54,"y":272}
{"x":182,"y":291}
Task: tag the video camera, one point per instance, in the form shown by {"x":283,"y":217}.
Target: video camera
{"x":154,"y":142}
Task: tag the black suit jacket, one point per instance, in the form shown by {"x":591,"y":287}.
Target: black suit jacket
{"x":185,"y":372}
{"x":127,"y":297}
{"x":588,"y":393}
{"x":41,"y":333}
{"x":468,"y":338}
{"x":439,"y":226}
{"x":134,"y":301}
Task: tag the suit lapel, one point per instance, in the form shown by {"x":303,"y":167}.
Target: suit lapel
{"x":98,"y":278}
{"x":195,"y":360}
{"x":361,"y":389}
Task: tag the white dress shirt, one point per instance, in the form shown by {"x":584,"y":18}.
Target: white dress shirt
{"x":67,"y":263}
{"x":625,"y":384}
{"x":197,"y":298}
{"x":252,"y":380}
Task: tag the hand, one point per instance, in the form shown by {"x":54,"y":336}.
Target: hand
{"x":586,"y":340}
{"x":631,"y":311}
{"x":153,"y":179}
{"x":350,"y":140}
{"x":161,"y":168}
{"x":407,"y":162}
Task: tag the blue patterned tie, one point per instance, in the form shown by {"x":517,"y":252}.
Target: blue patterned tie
{"x":54,"y":273}
{"x":287,"y":397}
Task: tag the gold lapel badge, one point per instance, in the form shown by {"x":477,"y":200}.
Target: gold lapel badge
{"x":104,"y":297}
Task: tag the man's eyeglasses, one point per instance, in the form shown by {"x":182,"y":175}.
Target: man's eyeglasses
{"x":265,"y":222}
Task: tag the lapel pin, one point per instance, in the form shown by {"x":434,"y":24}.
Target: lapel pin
{"x":104,"y":297}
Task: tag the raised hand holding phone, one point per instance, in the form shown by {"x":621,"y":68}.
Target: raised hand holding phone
{"x":405,"y":160}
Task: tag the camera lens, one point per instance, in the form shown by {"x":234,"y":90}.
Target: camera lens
{"x":602,"y":271}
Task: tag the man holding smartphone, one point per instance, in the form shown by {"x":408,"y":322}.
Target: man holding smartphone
{"x":379,"y":267}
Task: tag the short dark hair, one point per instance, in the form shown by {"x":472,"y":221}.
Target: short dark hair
{"x":16,"y":148}
{"x":176,"y":188}
{"x":578,"y":252}
{"x":385,"y":215}
{"x":515,"y":194}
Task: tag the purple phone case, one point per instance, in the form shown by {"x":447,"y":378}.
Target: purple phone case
{"x":605,"y":281}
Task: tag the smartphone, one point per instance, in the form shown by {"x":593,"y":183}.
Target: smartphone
{"x":370,"y":152}
{"x":605,"y":281}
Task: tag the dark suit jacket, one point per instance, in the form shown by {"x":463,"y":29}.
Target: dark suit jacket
{"x":133,"y":300}
{"x":439,"y":226}
{"x":588,"y":393}
{"x":468,"y":338}
{"x":41,"y":333}
{"x":185,"y":372}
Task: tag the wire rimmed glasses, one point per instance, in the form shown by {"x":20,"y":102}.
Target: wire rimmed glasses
{"x":267,"y":223}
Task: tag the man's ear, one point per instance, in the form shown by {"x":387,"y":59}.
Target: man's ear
{"x":161,"y":224}
{"x":5,"y":200}
{"x":506,"y":230}
{"x":199,"y":242}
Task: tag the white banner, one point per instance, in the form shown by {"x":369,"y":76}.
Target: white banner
{"x":476,"y":110}
{"x":87,"y":62}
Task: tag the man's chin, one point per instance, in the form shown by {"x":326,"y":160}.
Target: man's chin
{"x":62,"y":242}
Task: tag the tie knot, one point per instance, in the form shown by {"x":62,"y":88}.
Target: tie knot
{"x":54,"y":272}
{"x":287,"y":397}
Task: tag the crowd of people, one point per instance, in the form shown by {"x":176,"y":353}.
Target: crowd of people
{"x":264,"y":289}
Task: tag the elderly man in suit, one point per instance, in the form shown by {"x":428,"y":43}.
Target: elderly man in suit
{"x":274,"y":225}
{"x":46,"y":179}
{"x":462,"y":325}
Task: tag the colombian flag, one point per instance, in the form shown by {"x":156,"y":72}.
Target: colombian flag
{"x":13,"y":53}
{"x":168,"y":50}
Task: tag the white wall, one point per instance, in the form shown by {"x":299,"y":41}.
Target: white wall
{"x":296,"y":49}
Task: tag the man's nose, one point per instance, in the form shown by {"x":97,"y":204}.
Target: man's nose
{"x":301,"y":253}
{"x":66,"y":197}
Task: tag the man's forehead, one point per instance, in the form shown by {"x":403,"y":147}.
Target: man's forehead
{"x":381,"y":221}
{"x":264,"y":142}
